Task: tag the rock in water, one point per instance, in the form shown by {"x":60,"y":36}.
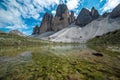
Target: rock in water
{"x":46,"y":24}
{"x":97,"y":54}
{"x":84,"y":17}
{"x":116,"y":12}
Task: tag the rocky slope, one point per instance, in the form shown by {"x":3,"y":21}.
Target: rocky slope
{"x":97,"y":27}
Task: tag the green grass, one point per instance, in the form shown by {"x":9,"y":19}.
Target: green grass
{"x":111,"y":38}
{"x":50,"y":63}
{"x":7,"y":39}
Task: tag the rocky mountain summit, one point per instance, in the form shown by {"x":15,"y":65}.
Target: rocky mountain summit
{"x":63,"y":27}
{"x":86,"y":16}
{"x":56,"y":23}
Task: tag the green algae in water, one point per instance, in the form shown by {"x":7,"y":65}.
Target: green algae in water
{"x":70,"y":62}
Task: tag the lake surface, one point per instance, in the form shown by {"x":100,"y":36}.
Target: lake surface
{"x":54,"y":62}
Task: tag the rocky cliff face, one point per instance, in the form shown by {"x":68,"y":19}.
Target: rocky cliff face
{"x":46,"y":24}
{"x":60,"y":20}
{"x":50,"y":23}
{"x":86,"y":16}
{"x":71,"y":18}
{"x":94,"y":13}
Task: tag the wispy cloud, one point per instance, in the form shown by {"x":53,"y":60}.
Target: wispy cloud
{"x":72,"y":4}
{"x":110,"y":5}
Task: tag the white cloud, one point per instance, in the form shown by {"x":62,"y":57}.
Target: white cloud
{"x":72,"y":4}
{"x":110,"y":5}
{"x":53,"y":12}
{"x":101,"y":0}
{"x":12,"y":17}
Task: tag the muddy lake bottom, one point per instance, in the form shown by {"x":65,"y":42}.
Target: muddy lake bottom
{"x":53,"y":62}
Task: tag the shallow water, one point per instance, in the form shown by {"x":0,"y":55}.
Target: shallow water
{"x":53,"y":62}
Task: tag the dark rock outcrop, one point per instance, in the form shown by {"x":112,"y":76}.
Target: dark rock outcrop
{"x":84,"y":17}
{"x":94,"y":13}
{"x":36,"y":30}
{"x":71,"y":18}
{"x":46,"y":24}
{"x":116,"y":12}
{"x":60,"y":20}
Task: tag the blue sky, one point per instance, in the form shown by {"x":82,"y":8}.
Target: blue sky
{"x":23,"y":15}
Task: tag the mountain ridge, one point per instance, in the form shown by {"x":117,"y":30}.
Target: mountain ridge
{"x":91,"y":25}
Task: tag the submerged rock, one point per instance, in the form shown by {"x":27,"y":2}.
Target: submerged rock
{"x":97,"y":54}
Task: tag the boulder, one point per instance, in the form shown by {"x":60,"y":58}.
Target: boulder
{"x":84,"y":17}
{"x":46,"y":24}
{"x":116,"y":12}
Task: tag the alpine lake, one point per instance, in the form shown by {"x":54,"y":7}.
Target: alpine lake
{"x":60,"y":62}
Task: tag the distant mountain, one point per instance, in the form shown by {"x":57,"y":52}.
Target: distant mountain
{"x":61,"y":20}
{"x":88,"y":24}
{"x":16,"y":32}
{"x":2,"y":31}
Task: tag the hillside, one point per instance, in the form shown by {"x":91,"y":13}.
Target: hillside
{"x":7,"y":39}
{"x":108,"y":38}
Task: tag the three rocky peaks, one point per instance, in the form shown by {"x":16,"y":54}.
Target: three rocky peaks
{"x":63,"y":18}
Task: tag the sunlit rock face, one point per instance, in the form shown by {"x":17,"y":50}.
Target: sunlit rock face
{"x":116,"y":12}
{"x":60,"y":20}
{"x":46,"y":24}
